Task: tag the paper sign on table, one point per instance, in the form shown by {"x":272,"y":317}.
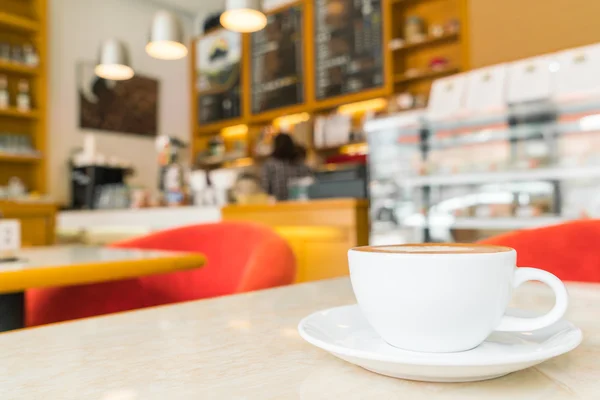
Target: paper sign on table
{"x":10,"y":237}
{"x":577,"y":73}
{"x":530,"y":79}
{"x":446,"y":99}
{"x":486,"y":89}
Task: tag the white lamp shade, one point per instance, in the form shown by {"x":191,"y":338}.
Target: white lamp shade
{"x":113,"y":61}
{"x":243,"y":16}
{"x":166,"y":37}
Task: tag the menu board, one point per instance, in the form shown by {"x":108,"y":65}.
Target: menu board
{"x":349,"y":46}
{"x":218,"y":76}
{"x":277,"y":62}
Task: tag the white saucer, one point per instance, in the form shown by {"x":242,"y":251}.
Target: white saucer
{"x":344,"y":332}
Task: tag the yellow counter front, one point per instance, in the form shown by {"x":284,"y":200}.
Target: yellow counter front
{"x":37,"y":221}
{"x":319,"y":231}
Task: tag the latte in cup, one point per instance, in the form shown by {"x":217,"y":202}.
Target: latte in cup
{"x":434,"y":248}
{"x":444,"y":297}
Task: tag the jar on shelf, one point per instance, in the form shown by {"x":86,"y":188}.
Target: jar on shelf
{"x":414,"y":29}
{"x":30,"y":56}
{"x":17,"y":54}
{"x":5,"y":52}
{"x":23,"y":96}
{"x":4,"y":96}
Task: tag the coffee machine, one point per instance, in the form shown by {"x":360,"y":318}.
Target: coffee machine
{"x":89,"y":182}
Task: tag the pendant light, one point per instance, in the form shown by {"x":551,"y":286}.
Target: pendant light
{"x":243,"y":16}
{"x":166,"y":37}
{"x":113,"y":61}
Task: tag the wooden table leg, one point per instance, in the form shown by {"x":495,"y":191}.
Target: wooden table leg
{"x":12,"y":311}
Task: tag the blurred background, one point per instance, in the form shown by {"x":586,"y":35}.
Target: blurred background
{"x":336,"y":122}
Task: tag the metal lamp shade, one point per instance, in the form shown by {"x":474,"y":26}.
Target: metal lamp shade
{"x":166,"y":37}
{"x":113,"y":61}
{"x":243,"y":16}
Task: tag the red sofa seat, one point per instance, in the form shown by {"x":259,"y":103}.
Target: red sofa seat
{"x":240,"y":256}
{"x":570,"y":251}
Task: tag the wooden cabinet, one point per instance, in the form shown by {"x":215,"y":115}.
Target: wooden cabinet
{"x":509,"y":30}
{"x":319,"y":231}
{"x":348,"y":55}
{"x":37,"y":221}
{"x":24,"y":23}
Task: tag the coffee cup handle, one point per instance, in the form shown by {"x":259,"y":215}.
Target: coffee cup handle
{"x":515,"y":324}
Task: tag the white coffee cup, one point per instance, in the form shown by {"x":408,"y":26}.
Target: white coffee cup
{"x":444,"y":297}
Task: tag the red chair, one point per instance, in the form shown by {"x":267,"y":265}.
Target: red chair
{"x":570,"y":251}
{"x":241,"y":257}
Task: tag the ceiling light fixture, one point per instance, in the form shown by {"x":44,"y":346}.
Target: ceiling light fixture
{"x":113,"y":61}
{"x":243,"y":16}
{"x":166,"y":37}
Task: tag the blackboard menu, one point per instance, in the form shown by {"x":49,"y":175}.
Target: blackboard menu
{"x":218,"y":77}
{"x":349,"y":46}
{"x":277,"y":62}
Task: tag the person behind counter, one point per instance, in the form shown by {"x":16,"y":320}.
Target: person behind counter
{"x":285,"y":163}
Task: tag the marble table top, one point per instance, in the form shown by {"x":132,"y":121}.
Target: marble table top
{"x":69,"y":265}
{"x":247,"y":347}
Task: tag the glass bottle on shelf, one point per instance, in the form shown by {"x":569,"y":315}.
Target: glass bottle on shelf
{"x":4,"y":96}
{"x":17,"y":54}
{"x":414,"y":29}
{"x":4,"y":52}
{"x":30,"y":56}
{"x":23,"y":96}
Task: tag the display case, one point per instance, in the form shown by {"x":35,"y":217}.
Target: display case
{"x":395,"y":154}
{"x":503,"y":148}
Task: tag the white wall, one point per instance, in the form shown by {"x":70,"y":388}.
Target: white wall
{"x":76,"y":29}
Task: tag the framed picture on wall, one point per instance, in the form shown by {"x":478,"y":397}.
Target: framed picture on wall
{"x":129,"y":106}
{"x":218,"y":76}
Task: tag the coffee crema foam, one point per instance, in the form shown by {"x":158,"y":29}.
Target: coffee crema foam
{"x":423,"y":249}
{"x":446,"y":248}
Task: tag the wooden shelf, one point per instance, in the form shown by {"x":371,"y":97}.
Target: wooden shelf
{"x":18,"y":68}
{"x":328,"y":148}
{"x":338,"y":148}
{"x":13,"y":112}
{"x":214,"y":128}
{"x":25,"y":21}
{"x":212,"y":161}
{"x":406,"y":1}
{"x":18,"y":158}
{"x":19,"y":23}
{"x":430,"y":40}
{"x":476,"y":178}
{"x":430,"y":74}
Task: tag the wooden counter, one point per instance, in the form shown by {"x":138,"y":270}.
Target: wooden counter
{"x":37,"y":221}
{"x":319,"y":231}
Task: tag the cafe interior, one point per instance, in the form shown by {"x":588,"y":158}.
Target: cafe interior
{"x":181,"y":181}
